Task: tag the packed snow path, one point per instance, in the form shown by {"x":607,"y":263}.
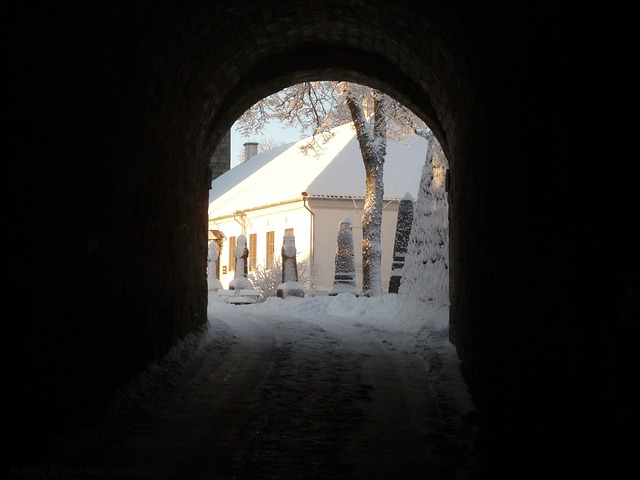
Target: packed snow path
{"x":261,"y":396}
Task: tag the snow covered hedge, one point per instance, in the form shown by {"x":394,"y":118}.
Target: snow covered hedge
{"x":424,"y":287}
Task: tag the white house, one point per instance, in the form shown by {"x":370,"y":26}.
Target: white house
{"x":286,"y":190}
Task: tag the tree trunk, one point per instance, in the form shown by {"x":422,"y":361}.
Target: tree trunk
{"x":372,"y":229}
{"x":373,"y":146}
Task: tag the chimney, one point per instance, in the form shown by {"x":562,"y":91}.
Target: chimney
{"x":250,"y":149}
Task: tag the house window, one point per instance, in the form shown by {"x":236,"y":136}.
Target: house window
{"x":253,"y":248}
{"x":232,"y":254}
{"x":270,"y":249}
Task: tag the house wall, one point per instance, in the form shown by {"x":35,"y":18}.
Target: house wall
{"x":328,"y":213}
{"x":275,"y":219}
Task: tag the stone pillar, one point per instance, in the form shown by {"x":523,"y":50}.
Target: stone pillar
{"x":240,"y":280}
{"x":345,"y":271}
{"x":213,"y":275}
{"x":290,"y":287}
{"x":403,"y":229}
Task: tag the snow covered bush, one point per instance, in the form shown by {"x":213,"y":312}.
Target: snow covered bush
{"x":424,"y":287}
{"x":267,"y":279}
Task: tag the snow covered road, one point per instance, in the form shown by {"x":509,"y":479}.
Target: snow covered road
{"x":313,"y":390}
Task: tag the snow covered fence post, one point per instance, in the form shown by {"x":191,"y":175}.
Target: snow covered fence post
{"x":290,"y":287}
{"x":345,"y":272}
{"x":240,"y":280}
{"x":403,"y":229}
{"x":213,"y":276}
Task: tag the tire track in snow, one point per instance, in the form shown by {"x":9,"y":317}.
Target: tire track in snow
{"x":264,"y":398}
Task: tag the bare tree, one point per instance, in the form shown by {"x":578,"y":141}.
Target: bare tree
{"x":320,"y":106}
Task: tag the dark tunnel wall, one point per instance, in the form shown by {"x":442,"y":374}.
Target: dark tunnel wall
{"x":115,"y":110}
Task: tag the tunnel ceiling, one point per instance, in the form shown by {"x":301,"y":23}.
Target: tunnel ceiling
{"x":221,"y":57}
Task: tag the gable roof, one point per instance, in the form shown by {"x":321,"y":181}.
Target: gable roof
{"x":283,"y":173}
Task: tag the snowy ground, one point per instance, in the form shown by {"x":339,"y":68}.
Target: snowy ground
{"x":324,"y":387}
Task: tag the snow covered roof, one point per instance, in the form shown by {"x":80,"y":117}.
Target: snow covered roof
{"x":283,"y":173}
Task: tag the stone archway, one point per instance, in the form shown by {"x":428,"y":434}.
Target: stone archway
{"x":117,"y":108}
